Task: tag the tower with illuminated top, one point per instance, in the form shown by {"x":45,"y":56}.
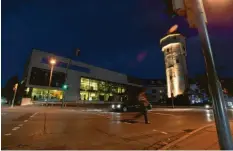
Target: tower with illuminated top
{"x":174,"y":49}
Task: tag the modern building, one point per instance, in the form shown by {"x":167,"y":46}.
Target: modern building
{"x":174,"y":49}
{"x":85,"y":82}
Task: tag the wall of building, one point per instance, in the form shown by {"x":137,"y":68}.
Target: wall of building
{"x":73,"y":78}
{"x":173,"y":47}
{"x":156,"y":93}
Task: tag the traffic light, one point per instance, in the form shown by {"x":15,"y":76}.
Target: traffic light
{"x":65,"y":87}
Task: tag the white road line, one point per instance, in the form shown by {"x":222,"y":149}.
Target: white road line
{"x":164,"y":133}
{"x":25,"y":120}
{"x":164,"y":114}
{"x":154,"y":130}
{"x":106,"y":116}
{"x":20,"y":125}
{"x":33,"y":115}
{"x":8,"y":134}
{"x":15,"y":128}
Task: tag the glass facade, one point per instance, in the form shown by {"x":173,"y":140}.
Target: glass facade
{"x":42,"y":94}
{"x":98,"y":90}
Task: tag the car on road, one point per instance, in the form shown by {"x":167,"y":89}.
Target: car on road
{"x":127,"y":107}
{"x":3,"y":100}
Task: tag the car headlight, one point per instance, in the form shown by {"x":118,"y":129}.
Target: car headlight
{"x":207,"y":106}
{"x":113,"y":106}
{"x":118,"y":106}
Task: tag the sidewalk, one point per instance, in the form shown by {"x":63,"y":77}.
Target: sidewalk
{"x":204,"y":139}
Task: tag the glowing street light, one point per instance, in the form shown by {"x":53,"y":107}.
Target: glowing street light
{"x":52,"y":61}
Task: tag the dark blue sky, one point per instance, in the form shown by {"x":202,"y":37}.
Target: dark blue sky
{"x":121,"y":35}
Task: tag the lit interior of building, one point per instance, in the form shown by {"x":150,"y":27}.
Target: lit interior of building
{"x":42,"y":94}
{"x":97,"y":90}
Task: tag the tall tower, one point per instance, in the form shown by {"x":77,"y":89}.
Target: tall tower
{"x":174,"y":49}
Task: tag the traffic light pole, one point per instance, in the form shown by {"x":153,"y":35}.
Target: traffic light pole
{"x":220,"y":113}
{"x":64,"y":93}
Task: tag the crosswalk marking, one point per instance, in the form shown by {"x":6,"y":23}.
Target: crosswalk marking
{"x":3,"y":113}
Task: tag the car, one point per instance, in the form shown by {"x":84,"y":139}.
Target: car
{"x":127,"y":107}
{"x":208,"y":107}
{"x":3,"y":100}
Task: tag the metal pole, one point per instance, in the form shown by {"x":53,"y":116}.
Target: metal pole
{"x":51,"y":74}
{"x":220,"y":113}
{"x":13,"y":101}
{"x":50,"y":79}
{"x":172,"y":101}
{"x":67,"y":68}
{"x":172,"y":93}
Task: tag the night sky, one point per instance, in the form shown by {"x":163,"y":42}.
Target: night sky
{"x":120,"y":35}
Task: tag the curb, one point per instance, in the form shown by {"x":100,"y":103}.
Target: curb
{"x":185,"y":136}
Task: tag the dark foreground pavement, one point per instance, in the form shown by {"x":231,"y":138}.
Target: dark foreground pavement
{"x":74,"y":128}
{"x":203,"y":139}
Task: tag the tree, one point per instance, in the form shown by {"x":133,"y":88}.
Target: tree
{"x":227,"y":84}
{"x":202,"y":82}
{"x":8,"y":92}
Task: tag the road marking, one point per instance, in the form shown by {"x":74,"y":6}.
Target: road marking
{"x":3,"y":114}
{"x":106,"y":116}
{"x":164,"y":133}
{"x":8,"y":134}
{"x":34,"y":114}
{"x":20,"y":125}
{"x":164,"y":114}
{"x":15,"y":128}
{"x":25,"y":120}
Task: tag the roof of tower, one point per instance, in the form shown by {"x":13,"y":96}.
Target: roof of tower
{"x":176,"y":33}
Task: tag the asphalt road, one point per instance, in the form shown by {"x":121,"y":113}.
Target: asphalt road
{"x":51,"y":128}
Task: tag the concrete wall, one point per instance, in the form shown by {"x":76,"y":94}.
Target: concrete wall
{"x":73,"y":79}
{"x":175,"y":63}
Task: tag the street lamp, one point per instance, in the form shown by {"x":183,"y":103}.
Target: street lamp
{"x":52,"y":62}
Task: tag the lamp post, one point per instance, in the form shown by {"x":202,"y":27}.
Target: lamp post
{"x":52,"y":62}
{"x":194,"y":11}
{"x":15,"y":91}
{"x":221,"y":119}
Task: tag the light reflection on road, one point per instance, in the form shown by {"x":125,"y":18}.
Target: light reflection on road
{"x":209,"y":115}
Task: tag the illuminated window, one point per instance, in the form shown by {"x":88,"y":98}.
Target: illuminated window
{"x":94,"y":85}
{"x":85,"y":84}
{"x":94,"y":96}
{"x":84,"y":95}
{"x":42,"y":94}
{"x":97,"y":90}
{"x":123,"y":90}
